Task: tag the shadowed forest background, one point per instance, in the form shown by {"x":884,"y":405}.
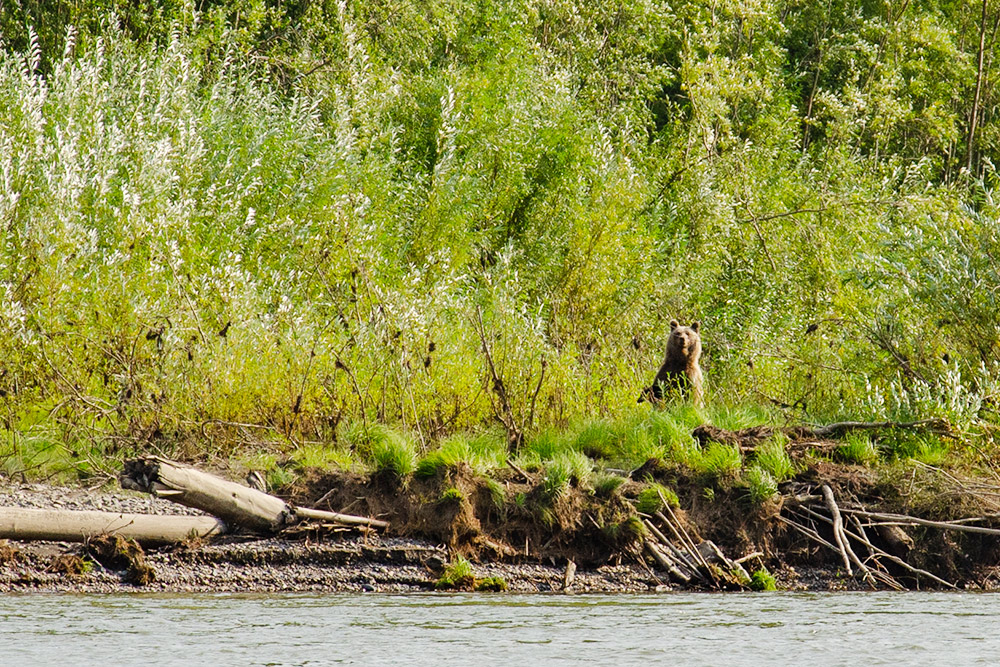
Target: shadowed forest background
{"x":311,"y":227}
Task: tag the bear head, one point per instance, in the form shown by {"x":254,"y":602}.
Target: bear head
{"x":684,"y":342}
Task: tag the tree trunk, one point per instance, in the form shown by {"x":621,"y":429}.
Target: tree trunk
{"x":974,"y":116}
{"x":235,"y":504}
{"x":78,"y":526}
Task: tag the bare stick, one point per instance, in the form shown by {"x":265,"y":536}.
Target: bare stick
{"x":811,"y":534}
{"x":841,"y":535}
{"x":683,"y":536}
{"x":755,"y":554}
{"x":337,"y":517}
{"x":678,"y":555}
{"x":672,"y":554}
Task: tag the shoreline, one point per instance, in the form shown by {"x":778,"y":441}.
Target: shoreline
{"x":338,"y":563}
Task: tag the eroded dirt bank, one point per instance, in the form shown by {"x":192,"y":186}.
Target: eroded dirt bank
{"x":519,"y":535}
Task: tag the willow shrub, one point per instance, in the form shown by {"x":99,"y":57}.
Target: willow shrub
{"x":427,"y":220}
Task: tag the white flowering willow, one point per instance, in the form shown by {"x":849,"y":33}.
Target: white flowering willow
{"x":190,"y":243}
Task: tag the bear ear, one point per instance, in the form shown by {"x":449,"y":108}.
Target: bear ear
{"x":695,"y":325}
{"x":674,"y":324}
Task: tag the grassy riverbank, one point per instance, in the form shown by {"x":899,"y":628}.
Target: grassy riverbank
{"x":259,"y":228}
{"x":432,"y":246}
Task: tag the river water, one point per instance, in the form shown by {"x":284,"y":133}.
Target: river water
{"x":806,"y":629}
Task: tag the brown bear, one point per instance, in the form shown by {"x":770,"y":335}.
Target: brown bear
{"x":680,"y":369}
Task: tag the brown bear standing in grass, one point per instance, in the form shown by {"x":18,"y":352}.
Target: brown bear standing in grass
{"x":680,"y":369}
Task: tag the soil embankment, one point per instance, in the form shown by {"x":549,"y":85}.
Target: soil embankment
{"x":520,"y":535}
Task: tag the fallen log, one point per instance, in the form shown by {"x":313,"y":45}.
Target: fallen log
{"x":234,"y":503}
{"x":79,"y":526}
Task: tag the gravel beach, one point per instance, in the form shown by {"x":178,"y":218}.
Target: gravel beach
{"x":331,"y":563}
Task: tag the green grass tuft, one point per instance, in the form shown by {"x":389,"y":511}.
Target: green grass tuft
{"x":483,"y":453}
{"x":570,"y":467}
{"x":857,"y":448}
{"x":386,"y":450}
{"x":457,"y":575}
{"x":598,"y":440}
{"x":607,"y":484}
{"x":651,"y":499}
{"x":762,"y":580}
{"x":760,"y":484}
{"x":719,"y":461}
{"x":773,"y":457}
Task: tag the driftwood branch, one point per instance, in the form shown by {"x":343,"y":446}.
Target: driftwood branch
{"x":903,"y":519}
{"x":881,"y":553}
{"x":838,"y":527}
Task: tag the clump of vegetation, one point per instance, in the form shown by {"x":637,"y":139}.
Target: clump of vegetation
{"x":761,"y":484}
{"x":607,"y":484}
{"x":625,"y":532}
{"x":458,"y":575}
{"x":654,"y":497}
{"x":498,"y":493}
{"x":9,"y":554}
{"x":70,"y":565}
{"x":719,"y":461}
{"x":857,"y":448}
{"x":452,"y":495}
{"x":762,"y":580}
{"x":569,"y":467}
{"x":772,"y":456}
{"x":922,"y":447}
{"x":491,"y":585}
{"x":482,"y":453}
{"x":387,"y":450}
{"x":321,"y":456}
{"x":598,"y":440}
{"x":115,"y":552}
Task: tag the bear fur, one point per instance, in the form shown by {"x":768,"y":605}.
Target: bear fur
{"x":680,"y":369}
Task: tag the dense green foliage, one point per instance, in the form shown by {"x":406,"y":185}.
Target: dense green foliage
{"x":287,"y":222}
